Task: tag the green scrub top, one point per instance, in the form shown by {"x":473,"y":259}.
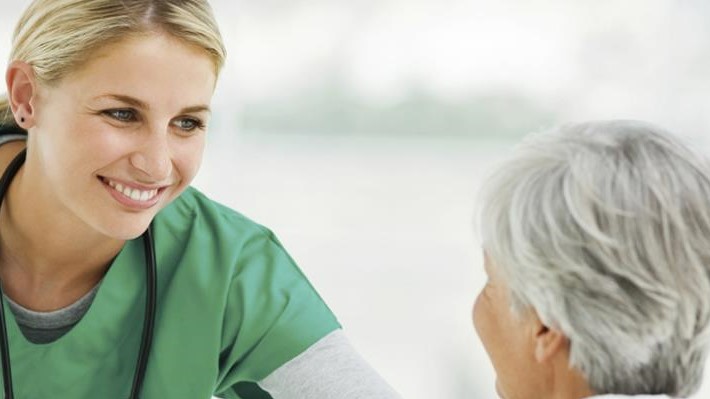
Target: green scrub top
{"x":232,"y":308}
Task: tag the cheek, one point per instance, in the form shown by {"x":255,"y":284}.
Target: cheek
{"x":491,"y":336}
{"x":187,"y":157}
{"x":482,"y":320}
{"x":74,"y":145}
{"x":89,"y":131}
{"x":491,"y":326}
{"x":476,"y":313}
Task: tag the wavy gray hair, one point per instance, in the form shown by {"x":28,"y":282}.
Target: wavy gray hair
{"x":603,"y":228}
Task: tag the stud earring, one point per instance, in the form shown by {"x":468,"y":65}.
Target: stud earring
{"x":22,"y":119}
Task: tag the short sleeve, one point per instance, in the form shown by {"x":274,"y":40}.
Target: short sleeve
{"x":272,"y":314}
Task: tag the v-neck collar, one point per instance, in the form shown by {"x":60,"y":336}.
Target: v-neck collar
{"x":117,"y":304}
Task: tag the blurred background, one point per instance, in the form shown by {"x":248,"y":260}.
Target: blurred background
{"x":360,"y":130}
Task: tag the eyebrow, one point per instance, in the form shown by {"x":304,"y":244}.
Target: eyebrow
{"x":140,"y":104}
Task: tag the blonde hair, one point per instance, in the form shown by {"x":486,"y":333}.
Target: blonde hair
{"x":56,"y":37}
{"x":603,"y":228}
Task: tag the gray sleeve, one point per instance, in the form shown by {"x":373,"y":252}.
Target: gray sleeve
{"x":329,"y":369}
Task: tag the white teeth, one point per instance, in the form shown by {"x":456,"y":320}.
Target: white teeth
{"x":134,"y":194}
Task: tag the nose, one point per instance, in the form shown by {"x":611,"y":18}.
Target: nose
{"x":153,"y":157}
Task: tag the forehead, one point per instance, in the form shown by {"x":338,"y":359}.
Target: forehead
{"x":153,"y":67}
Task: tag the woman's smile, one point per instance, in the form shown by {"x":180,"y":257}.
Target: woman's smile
{"x":133,"y":195}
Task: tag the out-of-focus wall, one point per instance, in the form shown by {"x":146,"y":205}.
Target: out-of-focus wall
{"x":477,"y":69}
{"x":360,"y":130}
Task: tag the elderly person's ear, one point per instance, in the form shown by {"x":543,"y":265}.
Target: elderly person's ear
{"x":549,"y":342}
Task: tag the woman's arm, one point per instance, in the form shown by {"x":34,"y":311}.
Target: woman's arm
{"x":279,"y":340}
{"x":329,"y":369}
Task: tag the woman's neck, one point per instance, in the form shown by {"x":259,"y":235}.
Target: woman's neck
{"x":48,"y":257}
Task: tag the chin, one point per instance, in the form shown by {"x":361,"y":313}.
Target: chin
{"x":126,"y":229}
{"x":129,"y":235}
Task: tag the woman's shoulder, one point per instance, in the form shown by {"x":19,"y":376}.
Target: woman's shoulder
{"x":195,"y":216}
{"x":193,"y":204}
{"x":196,"y":235}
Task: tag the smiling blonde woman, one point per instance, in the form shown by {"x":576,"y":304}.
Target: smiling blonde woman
{"x":596,"y":240}
{"x":119,"y":279}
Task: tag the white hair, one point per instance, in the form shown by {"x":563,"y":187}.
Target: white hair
{"x":603,"y":228}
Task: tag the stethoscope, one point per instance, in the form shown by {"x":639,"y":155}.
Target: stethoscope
{"x":150,"y":302}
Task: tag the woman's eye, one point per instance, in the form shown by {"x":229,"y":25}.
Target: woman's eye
{"x":189,"y":124}
{"x":122,"y":115}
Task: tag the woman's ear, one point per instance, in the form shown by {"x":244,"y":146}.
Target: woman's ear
{"x":21,"y":93}
{"x":549,"y":342}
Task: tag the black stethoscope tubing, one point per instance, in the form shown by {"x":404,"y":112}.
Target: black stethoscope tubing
{"x":150,"y":302}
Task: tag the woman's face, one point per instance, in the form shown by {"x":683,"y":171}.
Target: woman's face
{"x":119,"y":139}
{"x":509,"y":340}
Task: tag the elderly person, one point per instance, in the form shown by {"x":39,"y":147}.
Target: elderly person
{"x":596,"y":242}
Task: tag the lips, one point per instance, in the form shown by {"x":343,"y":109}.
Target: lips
{"x":134,"y":196}
{"x":132,"y":193}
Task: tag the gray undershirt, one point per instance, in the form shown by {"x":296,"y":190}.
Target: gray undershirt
{"x":46,"y":327}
